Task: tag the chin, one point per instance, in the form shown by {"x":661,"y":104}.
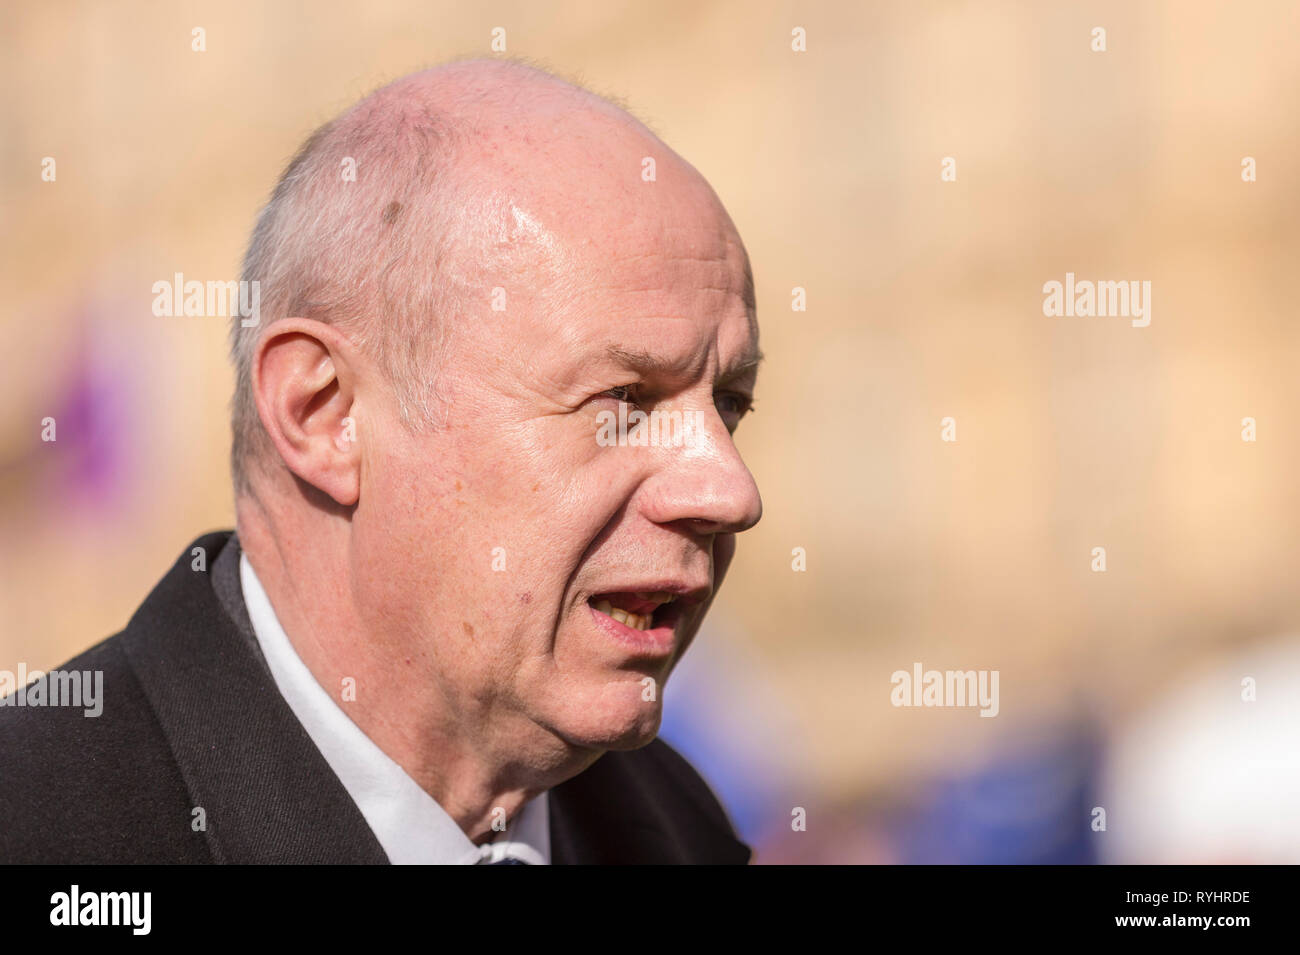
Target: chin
{"x":615,"y":718}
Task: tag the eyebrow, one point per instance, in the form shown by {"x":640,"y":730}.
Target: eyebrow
{"x":645,"y":361}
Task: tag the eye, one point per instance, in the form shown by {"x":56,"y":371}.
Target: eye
{"x":732,"y":406}
{"x":626,"y":393}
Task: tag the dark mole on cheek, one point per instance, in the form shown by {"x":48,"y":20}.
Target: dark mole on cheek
{"x":390,"y":211}
{"x":469,"y":631}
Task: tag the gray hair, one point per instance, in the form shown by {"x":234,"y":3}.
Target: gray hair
{"x":348,"y":252}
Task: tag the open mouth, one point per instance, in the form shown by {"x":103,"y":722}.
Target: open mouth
{"x":639,"y":611}
{"x":646,"y":622}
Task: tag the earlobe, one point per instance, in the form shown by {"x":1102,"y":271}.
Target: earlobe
{"x":304,"y":390}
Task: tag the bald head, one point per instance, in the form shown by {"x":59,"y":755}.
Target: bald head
{"x":399,"y":218}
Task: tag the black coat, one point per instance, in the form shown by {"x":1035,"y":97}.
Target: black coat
{"x":192,"y":718}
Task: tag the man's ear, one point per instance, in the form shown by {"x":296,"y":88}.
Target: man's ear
{"x":304,"y":386}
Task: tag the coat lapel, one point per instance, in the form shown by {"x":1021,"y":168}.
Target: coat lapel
{"x":267,"y":794}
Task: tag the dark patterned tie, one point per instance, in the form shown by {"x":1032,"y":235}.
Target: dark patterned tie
{"x":508,"y":861}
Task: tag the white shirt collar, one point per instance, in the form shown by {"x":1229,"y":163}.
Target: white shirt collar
{"x":410,"y":825}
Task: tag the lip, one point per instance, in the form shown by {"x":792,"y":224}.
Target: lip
{"x":686,"y":593}
{"x":659,"y":641}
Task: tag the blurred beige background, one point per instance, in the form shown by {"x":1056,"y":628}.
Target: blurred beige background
{"x":924,"y":301}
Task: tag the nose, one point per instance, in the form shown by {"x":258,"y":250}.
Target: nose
{"x":703,"y":484}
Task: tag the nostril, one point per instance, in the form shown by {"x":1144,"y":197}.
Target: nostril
{"x":700,"y":525}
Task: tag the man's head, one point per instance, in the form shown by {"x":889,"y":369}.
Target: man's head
{"x":461,"y":278}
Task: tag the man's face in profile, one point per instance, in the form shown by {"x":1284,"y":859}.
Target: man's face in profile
{"x":514,"y":543}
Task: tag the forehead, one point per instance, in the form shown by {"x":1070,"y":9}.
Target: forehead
{"x":598,"y":248}
{"x":678,"y":291}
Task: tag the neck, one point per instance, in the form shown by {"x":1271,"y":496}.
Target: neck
{"x":466,"y":749}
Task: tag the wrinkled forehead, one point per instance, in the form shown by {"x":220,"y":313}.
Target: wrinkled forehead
{"x":668,"y":275}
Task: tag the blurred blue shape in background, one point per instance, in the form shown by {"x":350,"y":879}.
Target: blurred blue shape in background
{"x":729,"y":723}
{"x":1031,"y":805}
